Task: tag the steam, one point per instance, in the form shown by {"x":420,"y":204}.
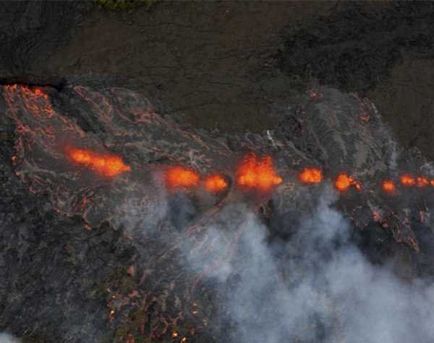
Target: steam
{"x":317,"y":287}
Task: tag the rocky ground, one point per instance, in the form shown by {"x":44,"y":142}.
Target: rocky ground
{"x":240,"y":60}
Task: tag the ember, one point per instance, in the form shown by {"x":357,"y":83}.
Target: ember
{"x":257,"y":173}
{"x":181,"y":177}
{"x":310,"y":175}
{"x":388,"y":186}
{"x":344,"y":182}
{"x":104,"y":164}
{"x":215,"y":183}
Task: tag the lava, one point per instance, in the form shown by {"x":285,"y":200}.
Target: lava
{"x":108,"y":165}
{"x":388,"y":186}
{"x":181,"y":177}
{"x":344,"y":182}
{"x":215,"y":183}
{"x":257,"y":173}
{"x":407,"y":180}
{"x":310,"y":176}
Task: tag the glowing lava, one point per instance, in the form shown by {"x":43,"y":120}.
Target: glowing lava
{"x":344,"y":182}
{"x":388,"y":186}
{"x":257,"y":173}
{"x":181,"y":177}
{"x":104,"y":164}
{"x":310,"y":176}
{"x":407,"y":180}
{"x":215,"y":183}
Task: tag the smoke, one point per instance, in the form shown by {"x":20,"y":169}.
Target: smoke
{"x":6,"y":338}
{"x":316,"y":287}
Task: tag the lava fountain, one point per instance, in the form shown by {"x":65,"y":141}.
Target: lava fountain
{"x":181,"y":177}
{"x":310,"y":176}
{"x":257,"y":173}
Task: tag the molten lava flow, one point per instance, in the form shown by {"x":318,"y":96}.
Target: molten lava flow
{"x":215,"y":183}
{"x":422,"y":181}
{"x":407,"y":180}
{"x":310,"y":175}
{"x":344,"y":182}
{"x":104,"y":164}
{"x":432,"y":182}
{"x":181,"y":177}
{"x":257,"y":173}
{"x":388,"y":186}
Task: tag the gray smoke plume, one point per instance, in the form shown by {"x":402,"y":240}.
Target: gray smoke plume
{"x":318,"y":287}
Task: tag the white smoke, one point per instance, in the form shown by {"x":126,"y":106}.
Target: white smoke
{"x":317,"y":287}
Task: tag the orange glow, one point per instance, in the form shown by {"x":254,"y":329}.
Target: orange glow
{"x":104,"y":164}
{"x":310,"y":175}
{"x":422,"y":181}
{"x":257,"y":173}
{"x":407,"y":180}
{"x":344,"y":182}
{"x":432,"y":182}
{"x":388,"y":186}
{"x":181,"y":177}
{"x":215,"y":183}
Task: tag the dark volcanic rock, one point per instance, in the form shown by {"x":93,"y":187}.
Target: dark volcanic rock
{"x":354,"y":47}
{"x":31,"y":30}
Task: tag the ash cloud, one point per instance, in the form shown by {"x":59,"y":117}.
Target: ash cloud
{"x":317,"y":287}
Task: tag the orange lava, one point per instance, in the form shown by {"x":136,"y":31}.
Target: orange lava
{"x":344,"y":182}
{"x":388,"y":186}
{"x":407,"y":180}
{"x":181,"y":177}
{"x":432,"y":182}
{"x":310,"y":175}
{"x":215,"y":183}
{"x":257,"y":173}
{"x":104,"y":164}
